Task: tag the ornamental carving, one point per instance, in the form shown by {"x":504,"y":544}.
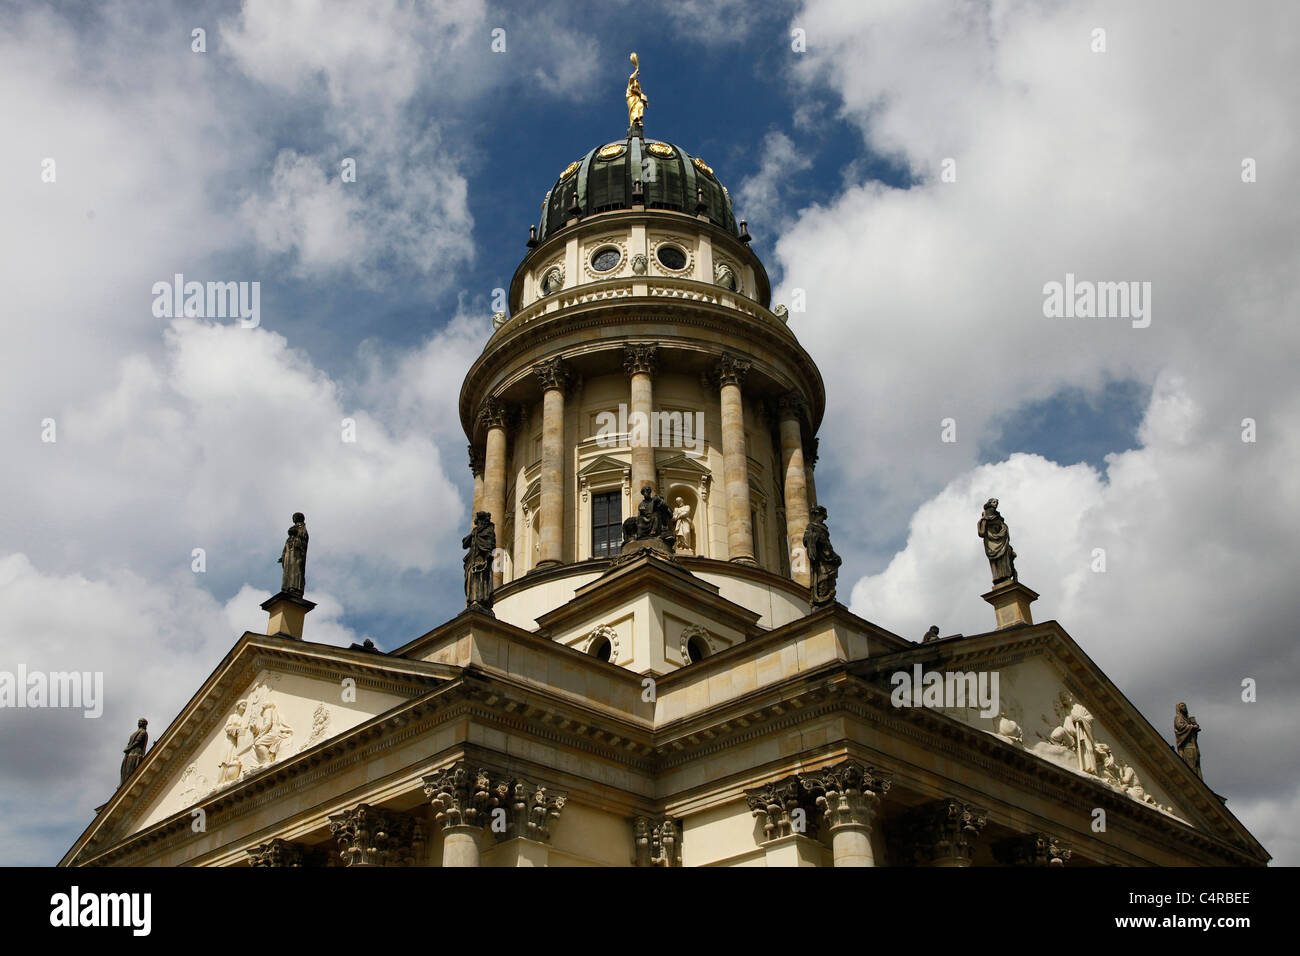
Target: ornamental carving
{"x":942,"y":831}
{"x":608,"y":633}
{"x":484,"y":798}
{"x":658,"y":841}
{"x":476,"y":460}
{"x":694,"y":630}
{"x":640,"y":263}
{"x":256,"y":736}
{"x":320,"y":723}
{"x":847,"y":795}
{"x":1031,"y":849}
{"x":725,"y":276}
{"x":492,"y":414}
{"x":640,"y":359}
{"x":552,"y":373}
{"x":276,"y":853}
{"x":373,"y":836}
{"x":783,"y":808}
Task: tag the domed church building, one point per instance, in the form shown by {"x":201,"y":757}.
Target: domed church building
{"x":652,"y":668}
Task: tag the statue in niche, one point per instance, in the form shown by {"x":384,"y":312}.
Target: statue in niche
{"x":683,"y":532}
{"x":482,"y":544}
{"x":823,"y":562}
{"x":653,"y":519}
{"x":294,"y":557}
{"x":134,"y":749}
{"x":1186,"y":730}
{"x":997,"y":543}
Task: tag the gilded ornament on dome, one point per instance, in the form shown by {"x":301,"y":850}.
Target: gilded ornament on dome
{"x":610,"y":151}
{"x":660,"y":149}
{"x":569,"y":170}
{"x":703,"y":165}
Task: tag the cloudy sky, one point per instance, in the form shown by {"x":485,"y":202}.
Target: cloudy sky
{"x":917,"y":173}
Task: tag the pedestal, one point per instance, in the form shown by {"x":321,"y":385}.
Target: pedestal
{"x":286,"y":614}
{"x":1011,"y":601}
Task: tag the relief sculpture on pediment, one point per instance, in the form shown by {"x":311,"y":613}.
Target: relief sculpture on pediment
{"x":255,"y":735}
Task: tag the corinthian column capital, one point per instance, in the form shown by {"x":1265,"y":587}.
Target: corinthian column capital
{"x":731,"y":370}
{"x":492,"y":414}
{"x":847,"y":794}
{"x":373,"y":836}
{"x":552,"y":373}
{"x":658,"y":841}
{"x":465,"y":798}
{"x":640,"y":358}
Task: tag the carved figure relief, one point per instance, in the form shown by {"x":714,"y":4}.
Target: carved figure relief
{"x":255,"y":735}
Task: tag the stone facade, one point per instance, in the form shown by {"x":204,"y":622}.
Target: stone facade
{"x":669,"y":709}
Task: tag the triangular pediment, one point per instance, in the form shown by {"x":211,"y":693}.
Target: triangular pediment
{"x":271,"y":700}
{"x":683,"y":465}
{"x":602,"y":465}
{"x":1037,"y":691}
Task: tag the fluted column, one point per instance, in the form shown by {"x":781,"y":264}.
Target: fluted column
{"x":848,"y":796}
{"x":476,"y":469}
{"x":553,"y":377}
{"x":639,"y":363}
{"x":492,"y":415}
{"x":735,"y":460}
{"x":791,"y":408}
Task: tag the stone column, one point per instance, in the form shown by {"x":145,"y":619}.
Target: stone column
{"x":476,"y":469}
{"x":463,"y":801}
{"x":848,"y":796}
{"x":944,"y":833}
{"x":639,"y":363}
{"x":735,"y":461}
{"x":553,"y":377}
{"x":791,"y":410}
{"x":810,"y":460}
{"x":492,"y":415}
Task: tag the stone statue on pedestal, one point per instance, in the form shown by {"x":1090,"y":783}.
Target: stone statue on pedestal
{"x":134,"y":750}
{"x":997,"y":543}
{"x":293,"y":580}
{"x":1186,"y":730}
{"x":653,"y":519}
{"x":823,"y":562}
{"x":482,"y":544}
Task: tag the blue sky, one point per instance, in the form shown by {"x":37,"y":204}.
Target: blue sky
{"x":924,"y":303}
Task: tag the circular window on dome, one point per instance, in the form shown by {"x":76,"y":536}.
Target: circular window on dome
{"x":604,"y":260}
{"x":671,"y":257}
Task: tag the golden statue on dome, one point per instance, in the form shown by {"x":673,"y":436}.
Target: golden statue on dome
{"x":636,"y":100}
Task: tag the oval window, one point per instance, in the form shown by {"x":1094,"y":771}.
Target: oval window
{"x":606,"y":259}
{"x":670,"y":257}
{"x":601,"y":649}
{"x":696,"y":650}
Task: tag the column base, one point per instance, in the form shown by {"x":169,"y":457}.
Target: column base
{"x":1011,"y":601}
{"x":286,"y":612}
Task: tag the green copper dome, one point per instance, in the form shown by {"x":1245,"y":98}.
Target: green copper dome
{"x":606,"y":179}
